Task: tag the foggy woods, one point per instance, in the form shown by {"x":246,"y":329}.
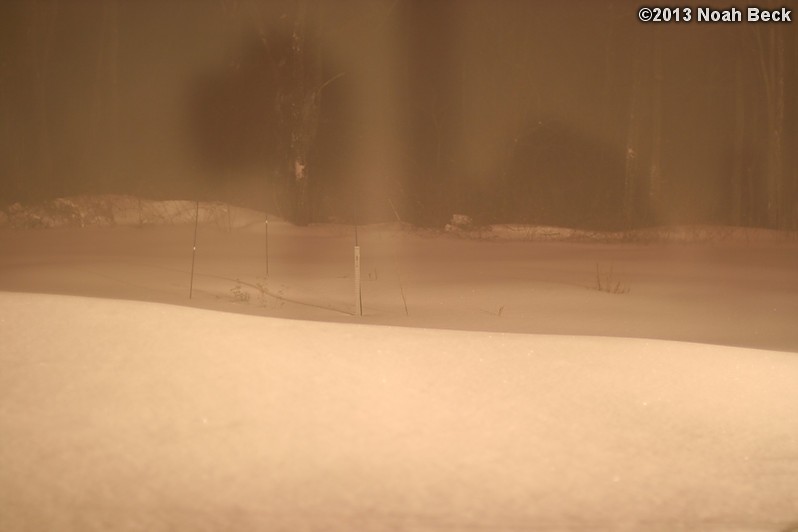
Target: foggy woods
{"x":574,"y":114}
{"x":402,"y":265}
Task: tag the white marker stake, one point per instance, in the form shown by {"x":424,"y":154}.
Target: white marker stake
{"x":358,"y":300}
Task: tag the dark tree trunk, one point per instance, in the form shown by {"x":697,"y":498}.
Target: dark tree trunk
{"x":41,"y":34}
{"x":631,"y":176}
{"x":738,"y":170}
{"x":655,"y":169}
{"x":772,"y":65}
{"x":305,"y":107}
{"x":106,"y":98}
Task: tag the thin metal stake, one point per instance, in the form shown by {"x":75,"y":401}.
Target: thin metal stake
{"x":194,"y":252}
{"x":358,"y":296}
{"x":358,"y":292}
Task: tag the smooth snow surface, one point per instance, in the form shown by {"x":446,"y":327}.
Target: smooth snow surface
{"x":121,"y":415}
{"x":141,"y":416}
{"x":555,"y":406}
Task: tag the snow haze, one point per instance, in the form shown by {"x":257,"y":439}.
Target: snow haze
{"x":489,"y":384}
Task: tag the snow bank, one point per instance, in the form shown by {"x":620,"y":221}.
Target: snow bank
{"x":110,"y":210}
{"x":141,"y":416}
{"x":683,"y":234}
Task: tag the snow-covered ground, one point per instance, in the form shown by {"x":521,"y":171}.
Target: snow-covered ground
{"x":666,"y":401}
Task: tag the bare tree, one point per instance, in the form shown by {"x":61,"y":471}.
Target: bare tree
{"x":41,"y":31}
{"x":655,"y":168}
{"x":106,"y":98}
{"x":301,"y":81}
{"x":304,"y":104}
{"x":770,"y":45}
{"x":632,"y":149}
{"x":738,"y":170}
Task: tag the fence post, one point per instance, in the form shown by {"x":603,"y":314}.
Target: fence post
{"x":358,"y":297}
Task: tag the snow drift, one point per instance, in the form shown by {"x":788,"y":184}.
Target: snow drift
{"x":141,"y":416}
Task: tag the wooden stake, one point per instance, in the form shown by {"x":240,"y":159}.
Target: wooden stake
{"x":358,"y":293}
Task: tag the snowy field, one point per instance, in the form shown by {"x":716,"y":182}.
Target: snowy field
{"x":511,"y":378}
